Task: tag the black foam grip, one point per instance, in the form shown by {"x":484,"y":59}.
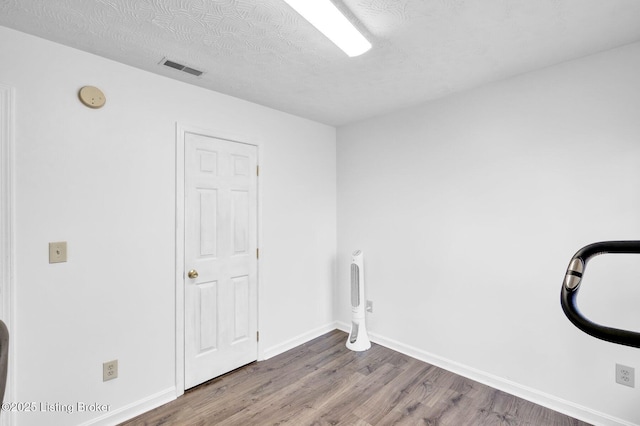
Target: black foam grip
{"x":568,"y":296}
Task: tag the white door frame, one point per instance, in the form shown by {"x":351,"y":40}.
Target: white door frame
{"x":7,"y":236}
{"x":181,"y":131}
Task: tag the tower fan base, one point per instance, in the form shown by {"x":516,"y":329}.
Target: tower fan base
{"x":358,"y":338}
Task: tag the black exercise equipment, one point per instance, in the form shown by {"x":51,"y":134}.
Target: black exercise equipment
{"x":571,"y":285}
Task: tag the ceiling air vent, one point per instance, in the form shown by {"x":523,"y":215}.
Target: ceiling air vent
{"x":181,"y":67}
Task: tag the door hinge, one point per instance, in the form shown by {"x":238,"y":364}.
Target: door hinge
{"x":257,"y":253}
{"x":257,"y":170}
{"x":257,"y":336}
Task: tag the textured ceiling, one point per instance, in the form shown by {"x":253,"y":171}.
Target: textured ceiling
{"x":262,"y":51}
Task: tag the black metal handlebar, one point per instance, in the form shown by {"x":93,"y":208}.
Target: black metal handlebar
{"x":571,"y":285}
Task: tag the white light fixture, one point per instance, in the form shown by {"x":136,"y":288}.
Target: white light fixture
{"x":323,"y":15}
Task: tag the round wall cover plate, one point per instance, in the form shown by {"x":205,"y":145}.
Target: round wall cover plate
{"x":92,"y":97}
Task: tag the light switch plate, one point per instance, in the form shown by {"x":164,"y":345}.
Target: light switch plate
{"x":58,"y":252}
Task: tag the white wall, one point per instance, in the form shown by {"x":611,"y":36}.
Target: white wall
{"x":104,"y":181}
{"x":462,"y":207}
{"x":468,"y":210}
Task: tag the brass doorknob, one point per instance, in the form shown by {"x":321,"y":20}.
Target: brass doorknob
{"x":193,"y":274}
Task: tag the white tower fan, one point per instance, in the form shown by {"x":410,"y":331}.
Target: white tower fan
{"x":358,"y":339}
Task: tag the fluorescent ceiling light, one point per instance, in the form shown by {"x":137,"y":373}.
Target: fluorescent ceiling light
{"x":323,"y":15}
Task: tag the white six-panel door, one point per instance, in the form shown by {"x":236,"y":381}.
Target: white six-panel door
{"x":221,"y":249}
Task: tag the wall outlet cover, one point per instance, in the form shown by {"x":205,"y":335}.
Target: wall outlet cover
{"x":625,"y":375}
{"x":109,"y":370}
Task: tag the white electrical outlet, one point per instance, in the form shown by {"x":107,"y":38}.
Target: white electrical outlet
{"x":110,"y":370}
{"x":625,"y":375}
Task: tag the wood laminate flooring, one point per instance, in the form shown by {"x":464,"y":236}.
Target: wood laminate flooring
{"x":324,"y":383}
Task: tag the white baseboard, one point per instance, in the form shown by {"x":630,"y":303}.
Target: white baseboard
{"x":541,"y":398}
{"x":297,"y":341}
{"x":142,"y":406}
{"x":134,"y":409}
